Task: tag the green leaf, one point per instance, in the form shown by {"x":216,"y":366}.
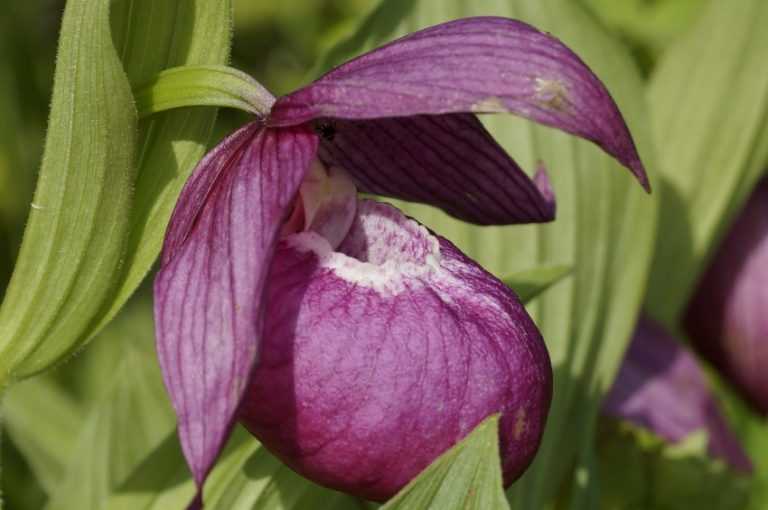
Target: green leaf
{"x":78,"y":226}
{"x":43,"y":421}
{"x":754,"y":433}
{"x":605,"y":228}
{"x":468,"y":476}
{"x":375,"y":27}
{"x":751,"y":428}
{"x":709,"y":105}
{"x":653,"y":24}
{"x":529,"y":284}
{"x":203,"y":86}
{"x":64,"y":398}
{"x":246,"y":477}
{"x":179,"y":33}
{"x":249,"y":477}
{"x":639,"y":471}
{"x":131,"y":417}
{"x":88,"y":245}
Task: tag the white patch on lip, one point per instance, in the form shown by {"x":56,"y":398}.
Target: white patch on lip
{"x":384,"y":251}
{"x":391,"y":254}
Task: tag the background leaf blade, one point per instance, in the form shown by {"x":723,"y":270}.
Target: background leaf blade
{"x":78,"y":225}
{"x":709,"y":105}
{"x":529,"y":284}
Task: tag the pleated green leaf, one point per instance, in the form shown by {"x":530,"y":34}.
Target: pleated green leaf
{"x":246,"y":477}
{"x":604,"y":231}
{"x":154,"y":35}
{"x":79,"y":222}
{"x":198,"y":85}
{"x":651,"y":24}
{"x":130,"y":418}
{"x":43,"y":422}
{"x":752,"y":430}
{"x":466,"y":477}
{"x":709,"y":105}
{"x":103,"y":200}
{"x":529,"y":284}
{"x":755,"y":436}
{"x":639,"y":471}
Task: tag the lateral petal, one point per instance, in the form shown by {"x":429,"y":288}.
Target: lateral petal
{"x":480,"y":65}
{"x":449,"y":161}
{"x":209,"y":292}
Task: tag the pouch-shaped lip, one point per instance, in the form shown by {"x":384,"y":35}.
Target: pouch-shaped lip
{"x":377,"y":358}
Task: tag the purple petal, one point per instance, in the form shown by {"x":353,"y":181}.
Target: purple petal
{"x":480,"y":65}
{"x":208,"y":293}
{"x":449,"y":161}
{"x":661,"y":387}
{"x":329,"y":203}
{"x":381,"y":355}
{"x":727,"y":319}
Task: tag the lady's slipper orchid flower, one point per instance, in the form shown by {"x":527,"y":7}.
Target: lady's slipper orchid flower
{"x":726,"y":318}
{"x":379,"y":344}
{"x":662,"y":388}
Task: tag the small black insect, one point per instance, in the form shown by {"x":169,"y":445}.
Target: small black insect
{"x":326,"y":129}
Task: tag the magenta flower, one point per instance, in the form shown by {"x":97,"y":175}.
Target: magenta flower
{"x":726,"y":318}
{"x":662,"y":388}
{"x":353,"y":342}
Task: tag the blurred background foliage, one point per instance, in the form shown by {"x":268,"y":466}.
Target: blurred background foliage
{"x":64,"y":430}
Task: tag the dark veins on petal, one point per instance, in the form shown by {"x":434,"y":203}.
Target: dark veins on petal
{"x":449,"y":161}
{"x":479,"y":65}
{"x":208,"y":293}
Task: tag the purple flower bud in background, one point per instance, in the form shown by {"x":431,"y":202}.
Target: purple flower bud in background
{"x":662,"y":388}
{"x":727,"y":318}
{"x":380,"y":345}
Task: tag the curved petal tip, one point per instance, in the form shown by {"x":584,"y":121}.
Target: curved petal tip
{"x":543,"y":184}
{"x":638,"y":170}
{"x":471,"y":65}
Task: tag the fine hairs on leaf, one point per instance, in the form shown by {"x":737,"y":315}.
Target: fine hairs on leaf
{"x":201,"y":85}
{"x":104,"y":195}
{"x":78,"y":230}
